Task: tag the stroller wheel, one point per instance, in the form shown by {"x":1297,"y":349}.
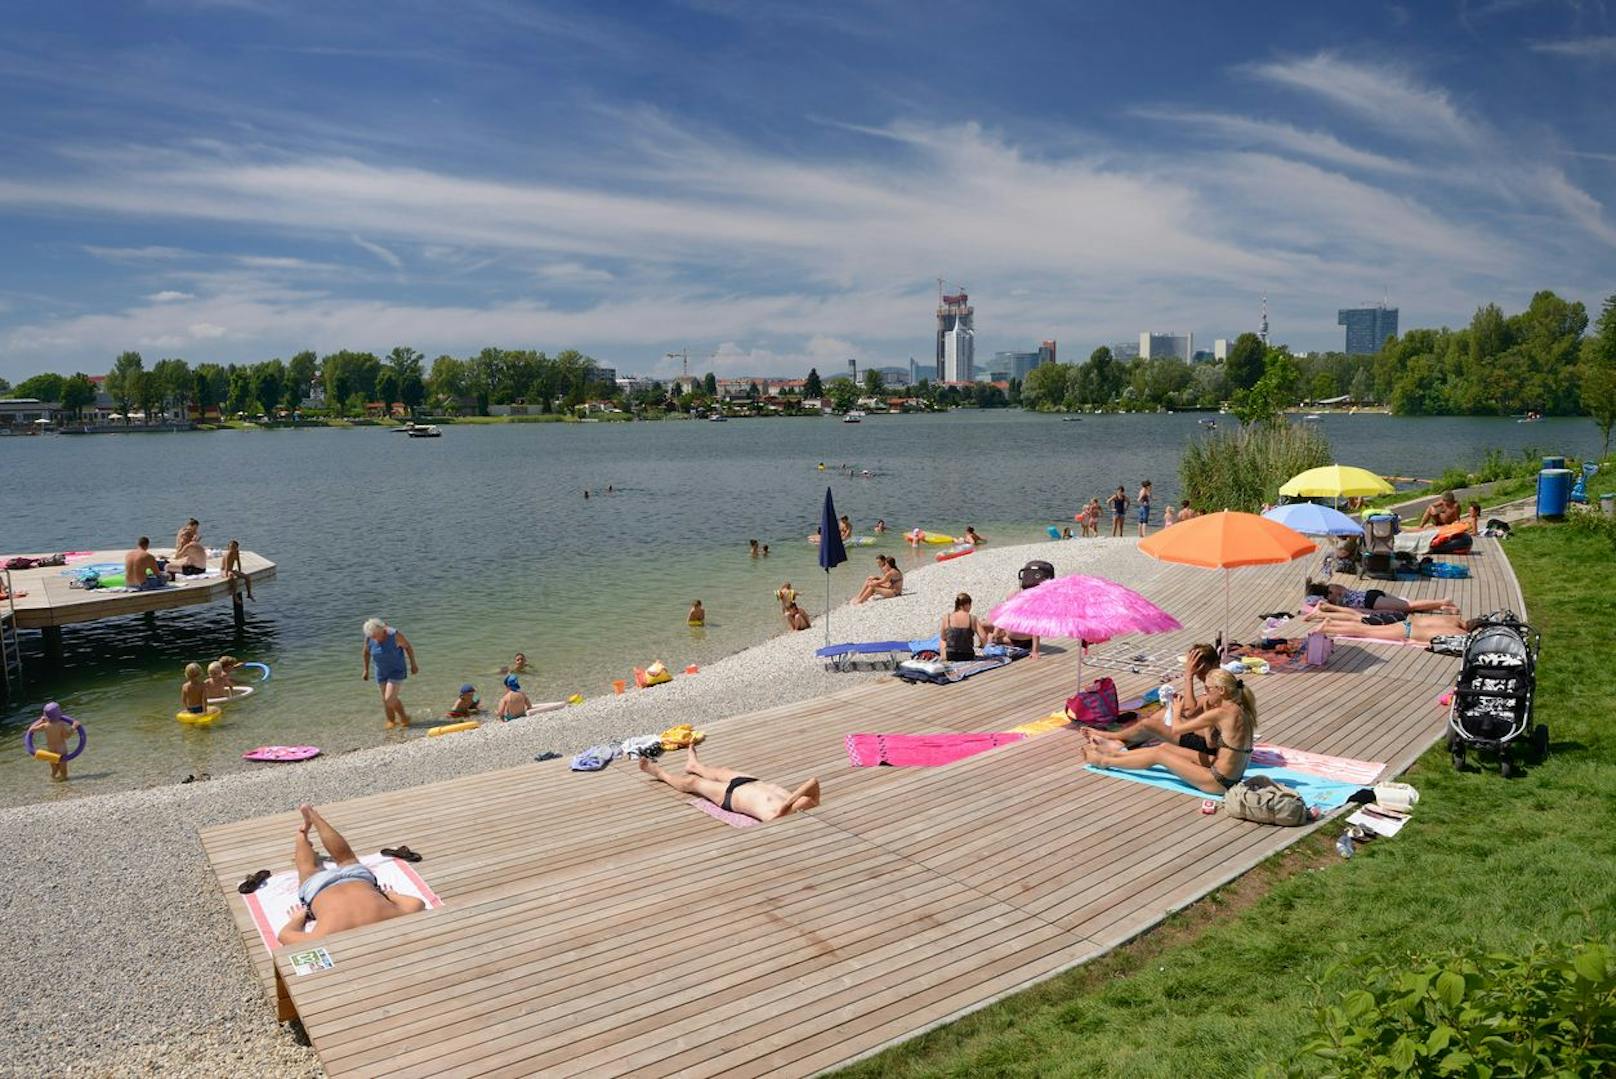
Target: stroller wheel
{"x":1506,"y":767}
{"x":1458,"y":757}
{"x":1540,"y":741}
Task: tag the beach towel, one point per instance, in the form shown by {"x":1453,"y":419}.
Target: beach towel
{"x":719,"y":813}
{"x":921,"y":750}
{"x":271,"y":906}
{"x":1342,"y":769}
{"x":594,"y":758}
{"x":1052,"y":722}
{"x":1320,"y":793}
{"x":644,"y":745}
{"x":951,"y":672}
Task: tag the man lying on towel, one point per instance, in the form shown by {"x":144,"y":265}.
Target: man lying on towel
{"x":334,"y":899}
{"x":733,"y":792}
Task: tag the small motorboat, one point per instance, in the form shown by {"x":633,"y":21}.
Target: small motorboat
{"x":428,"y":431}
{"x":718,"y":417}
{"x":855,"y":416}
{"x":1312,"y":417}
{"x":405,"y":429}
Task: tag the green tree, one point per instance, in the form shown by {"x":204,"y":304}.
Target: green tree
{"x":1363,"y":386}
{"x":872,"y":383}
{"x":1045,"y":387}
{"x":1598,"y":382}
{"x":300,"y":372}
{"x":447,"y":382}
{"x":1102,"y":378}
{"x":387,"y":389}
{"x":843,"y":393}
{"x":813,"y":388}
{"x":78,"y":393}
{"x":709,"y":384}
{"x":406,"y":364}
{"x":1246,"y":362}
{"x":149,"y":394}
{"x":174,"y":382}
{"x":269,"y":385}
{"x":123,"y":381}
{"x":5,"y":387}
{"x":42,"y":387}
{"x":240,"y":397}
{"x":210,"y":386}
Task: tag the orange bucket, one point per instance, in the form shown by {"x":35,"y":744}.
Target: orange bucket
{"x":692,"y":669}
{"x":618,"y":686}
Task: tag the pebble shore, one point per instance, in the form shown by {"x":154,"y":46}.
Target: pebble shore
{"x":121,"y":955}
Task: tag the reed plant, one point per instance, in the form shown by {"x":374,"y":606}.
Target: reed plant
{"x":1244,"y":468}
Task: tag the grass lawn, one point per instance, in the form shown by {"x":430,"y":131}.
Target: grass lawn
{"x":1224,"y":987}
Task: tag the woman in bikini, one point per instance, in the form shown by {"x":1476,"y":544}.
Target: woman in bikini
{"x":886,"y":582}
{"x":1338,"y":599}
{"x":1209,"y":752}
{"x":961,"y":632}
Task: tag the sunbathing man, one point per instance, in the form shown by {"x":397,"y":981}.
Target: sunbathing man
{"x":1212,"y":761}
{"x":733,"y":792}
{"x":335,"y":899}
{"x":1338,"y":599}
{"x":1419,"y":629}
{"x":190,"y":556}
{"x":141,"y":568}
{"x":1444,"y":511}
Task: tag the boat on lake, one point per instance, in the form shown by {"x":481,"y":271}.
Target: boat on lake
{"x":428,"y":431}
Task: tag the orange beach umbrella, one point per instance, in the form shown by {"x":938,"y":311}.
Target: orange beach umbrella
{"x":1227,"y":541}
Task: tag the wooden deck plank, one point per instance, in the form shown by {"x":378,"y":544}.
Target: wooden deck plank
{"x":593,"y":924}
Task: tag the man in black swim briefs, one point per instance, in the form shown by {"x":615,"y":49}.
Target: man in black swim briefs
{"x":733,"y":792}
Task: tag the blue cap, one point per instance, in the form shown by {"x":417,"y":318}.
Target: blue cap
{"x":468,"y":688}
{"x":511,"y":682}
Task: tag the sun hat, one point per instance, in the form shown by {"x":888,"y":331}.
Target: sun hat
{"x":511,"y":682}
{"x":468,"y":688}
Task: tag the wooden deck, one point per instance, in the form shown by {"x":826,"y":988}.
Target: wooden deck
{"x":51,"y":602}
{"x":594,"y":924}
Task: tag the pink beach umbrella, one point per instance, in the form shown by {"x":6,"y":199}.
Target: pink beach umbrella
{"x":1090,"y":609}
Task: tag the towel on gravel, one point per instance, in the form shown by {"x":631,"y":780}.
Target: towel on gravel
{"x":594,"y":758}
{"x":921,"y":750}
{"x":271,"y":906}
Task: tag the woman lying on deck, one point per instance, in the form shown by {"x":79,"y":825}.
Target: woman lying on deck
{"x":1212,"y":761}
{"x":732,"y":791}
{"x":1338,"y":599}
{"x":1418,"y":629}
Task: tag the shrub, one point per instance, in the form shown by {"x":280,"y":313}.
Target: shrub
{"x":1242,"y":469}
{"x":1593,"y":522}
{"x":1470,"y":1014}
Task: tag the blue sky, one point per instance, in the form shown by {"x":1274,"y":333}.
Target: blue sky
{"x":774,"y":185}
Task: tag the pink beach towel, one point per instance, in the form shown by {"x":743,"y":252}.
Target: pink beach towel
{"x":271,"y":905}
{"x":922,"y":750}
{"x":734,"y":820}
{"x":1342,"y":769}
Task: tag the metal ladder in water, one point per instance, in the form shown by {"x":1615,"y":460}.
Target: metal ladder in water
{"x":10,"y":654}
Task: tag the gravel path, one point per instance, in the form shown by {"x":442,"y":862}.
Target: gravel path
{"x":121,"y":956}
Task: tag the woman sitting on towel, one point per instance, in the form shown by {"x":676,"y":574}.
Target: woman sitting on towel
{"x":886,"y":582}
{"x":1210,"y":752}
{"x":961,"y":631}
{"x":1338,"y":599}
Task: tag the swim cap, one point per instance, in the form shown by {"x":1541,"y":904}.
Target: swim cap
{"x":511,"y":683}
{"x":53,"y":712}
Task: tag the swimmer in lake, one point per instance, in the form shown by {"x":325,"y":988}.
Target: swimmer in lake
{"x":880,"y":525}
{"x":697,"y":615}
{"x":755,"y":549}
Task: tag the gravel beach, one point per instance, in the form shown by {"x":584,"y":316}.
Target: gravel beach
{"x":122,"y":957}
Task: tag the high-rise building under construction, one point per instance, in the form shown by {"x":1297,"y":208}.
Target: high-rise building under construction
{"x":956,"y":337}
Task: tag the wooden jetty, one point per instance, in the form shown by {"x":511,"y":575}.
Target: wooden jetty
{"x":596,"y":924}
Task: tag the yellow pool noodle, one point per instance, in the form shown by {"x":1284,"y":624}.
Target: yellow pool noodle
{"x":47,"y":756}
{"x":450,"y":728}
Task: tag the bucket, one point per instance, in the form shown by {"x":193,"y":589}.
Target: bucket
{"x":619,"y":686}
{"x":1607,"y":505}
{"x":1553,"y":462}
{"x":1553,"y":492}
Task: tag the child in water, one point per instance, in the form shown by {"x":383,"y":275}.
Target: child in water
{"x":514,"y":704}
{"x":218,"y":683}
{"x":193,"y":691}
{"x":466,"y":704}
{"x":229,"y":663}
{"x":786,"y":595}
{"x":518,"y":665}
{"x":697,"y":615}
{"x":54,"y":726}
{"x":755,"y":551}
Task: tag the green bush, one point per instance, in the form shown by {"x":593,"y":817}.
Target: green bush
{"x":1593,"y":523}
{"x":1470,"y":1014}
{"x":1243,"y":469}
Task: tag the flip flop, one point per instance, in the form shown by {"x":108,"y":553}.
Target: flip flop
{"x":403,"y":854}
{"x":253,"y":882}
{"x":548,"y":755}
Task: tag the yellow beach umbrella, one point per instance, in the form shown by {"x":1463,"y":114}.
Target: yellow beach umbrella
{"x":1336,"y":481}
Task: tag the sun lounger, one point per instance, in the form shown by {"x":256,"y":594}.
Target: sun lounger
{"x":841,"y":657}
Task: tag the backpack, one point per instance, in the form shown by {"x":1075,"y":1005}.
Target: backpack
{"x":1096,"y":706}
{"x":1262,"y":801}
{"x":1035,"y":573}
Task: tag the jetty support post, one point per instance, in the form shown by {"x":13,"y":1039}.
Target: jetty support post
{"x":53,"y":643}
{"x":237,"y":609}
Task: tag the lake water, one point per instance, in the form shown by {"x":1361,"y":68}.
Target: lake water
{"x":480,"y":544}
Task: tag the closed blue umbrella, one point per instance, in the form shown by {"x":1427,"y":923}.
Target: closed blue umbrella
{"x":832,"y":552}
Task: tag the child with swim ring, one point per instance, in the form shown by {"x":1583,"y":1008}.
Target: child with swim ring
{"x":466,"y":704}
{"x":229,"y":663}
{"x":194,"y":691}
{"x":218,"y":683}
{"x":697,"y":615}
{"x":55,"y":727}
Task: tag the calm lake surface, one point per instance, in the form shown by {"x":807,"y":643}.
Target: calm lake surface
{"x":480,"y":544}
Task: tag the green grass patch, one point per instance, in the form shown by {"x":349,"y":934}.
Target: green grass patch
{"x":1227,"y":987}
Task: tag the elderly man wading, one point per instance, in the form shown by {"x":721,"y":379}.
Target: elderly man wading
{"x":388,"y":649}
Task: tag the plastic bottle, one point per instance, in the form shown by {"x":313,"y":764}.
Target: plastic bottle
{"x":1343,"y":845}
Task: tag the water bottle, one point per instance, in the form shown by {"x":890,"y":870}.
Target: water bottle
{"x":1343,"y":845}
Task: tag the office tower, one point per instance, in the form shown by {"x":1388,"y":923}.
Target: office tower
{"x":1016,"y":365}
{"x":1367,"y":327}
{"x":956,"y":330}
{"x":1154,"y":346}
{"x":1220,"y":349}
{"x":1046,"y":353}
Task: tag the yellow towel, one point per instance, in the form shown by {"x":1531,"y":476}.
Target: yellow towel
{"x":1052,"y":722}
{"x":681,"y":737}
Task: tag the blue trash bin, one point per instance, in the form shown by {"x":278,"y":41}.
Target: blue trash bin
{"x":1553,"y":462}
{"x":1553,"y":492}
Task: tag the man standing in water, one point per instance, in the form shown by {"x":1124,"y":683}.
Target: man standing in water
{"x":389,"y":648}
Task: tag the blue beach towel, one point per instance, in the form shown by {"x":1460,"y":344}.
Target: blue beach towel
{"x":1325,"y":794}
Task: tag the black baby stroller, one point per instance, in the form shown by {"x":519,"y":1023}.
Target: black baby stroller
{"x":1380,"y":547}
{"x":1492,"y":702}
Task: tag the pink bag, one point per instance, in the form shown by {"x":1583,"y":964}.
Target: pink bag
{"x":1319,"y":648}
{"x":1096,"y":706}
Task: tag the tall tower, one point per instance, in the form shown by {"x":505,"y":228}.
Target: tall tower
{"x":1262,"y":327}
{"x":852,"y":369}
{"x":955,"y":316}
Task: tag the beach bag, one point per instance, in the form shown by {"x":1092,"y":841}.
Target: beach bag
{"x":1035,"y":573}
{"x":1097,"y":705}
{"x":1319,"y":648}
{"x":1262,"y":801}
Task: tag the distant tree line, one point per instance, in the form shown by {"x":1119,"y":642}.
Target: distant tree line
{"x":1538,"y":360}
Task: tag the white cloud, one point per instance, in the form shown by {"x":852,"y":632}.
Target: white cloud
{"x":1586,"y":48}
{"x":573,"y":273}
{"x":1391,"y":98}
{"x":379,"y":251}
{"x":169,"y":296}
{"x":137,"y":254}
{"x":1320,"y":145}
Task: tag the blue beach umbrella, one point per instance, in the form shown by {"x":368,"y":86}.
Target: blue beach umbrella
{"x":832,"y":552}
{"x":1312,"y":519}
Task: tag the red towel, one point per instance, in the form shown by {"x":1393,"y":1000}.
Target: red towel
{"x":921,"y":750}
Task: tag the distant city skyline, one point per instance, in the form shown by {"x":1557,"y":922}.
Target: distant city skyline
{"x":232,"y":180}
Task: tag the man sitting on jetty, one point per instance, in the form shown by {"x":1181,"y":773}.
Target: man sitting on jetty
{"x":1444,"y":511}
{"x":335,"y":899}
{"x":733,"y":792}
{"x":141,"y":568}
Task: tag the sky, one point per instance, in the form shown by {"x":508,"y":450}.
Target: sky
{"x":772,"y":186}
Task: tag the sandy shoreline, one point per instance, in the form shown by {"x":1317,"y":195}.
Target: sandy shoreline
{"x":123,"y":956}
